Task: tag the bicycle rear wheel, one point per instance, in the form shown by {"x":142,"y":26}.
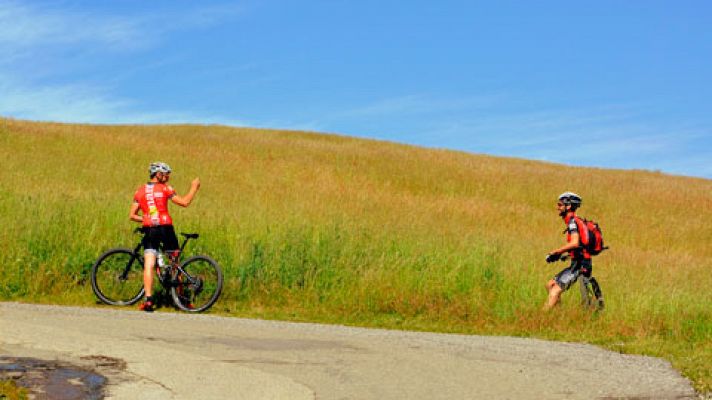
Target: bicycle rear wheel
{"x":117,"y":277}
{"x":197,"y":284}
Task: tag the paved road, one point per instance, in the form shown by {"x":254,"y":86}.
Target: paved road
{"x":180,"y":356}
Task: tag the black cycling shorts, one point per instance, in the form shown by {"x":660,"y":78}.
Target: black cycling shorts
{"x":161,"y":237}
{"x":570,"y":274}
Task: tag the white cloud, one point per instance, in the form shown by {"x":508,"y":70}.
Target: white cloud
{"x":23,"y":26}
{"x":31,"y":35}
{"x":417,"y":104}
{"x":614,"y":136}
{"x":88,"y":104}
{"x":68,"y":103}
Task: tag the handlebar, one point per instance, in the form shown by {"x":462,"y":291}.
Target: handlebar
{"x":556,"y":257}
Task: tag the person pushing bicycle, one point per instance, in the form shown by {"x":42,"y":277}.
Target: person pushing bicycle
{"x":151,"y":200}
{"x":576,"y":236}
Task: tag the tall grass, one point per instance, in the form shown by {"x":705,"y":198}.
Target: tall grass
{"x":336,"y":229}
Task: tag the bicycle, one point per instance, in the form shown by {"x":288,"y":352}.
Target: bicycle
{"x":591,"y":294}
{"x":194,"y":284}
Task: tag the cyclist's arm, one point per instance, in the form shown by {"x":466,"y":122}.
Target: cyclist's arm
{"x":184,"y":201}
{"x":133,"y":214}
{"x":573,"y":243}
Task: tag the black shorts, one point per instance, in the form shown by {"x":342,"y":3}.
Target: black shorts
{"x":161,"y":237}
{"x":570,"y":274}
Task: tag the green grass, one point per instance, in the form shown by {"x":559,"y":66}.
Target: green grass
{"x":341,"y":230}
{"x":10,"y":391}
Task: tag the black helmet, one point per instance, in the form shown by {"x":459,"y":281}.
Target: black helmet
{"x":570,"y":199}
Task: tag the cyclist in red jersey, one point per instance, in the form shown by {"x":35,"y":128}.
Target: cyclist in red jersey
{"x":151,"y":200}
{"x":576,"y":234}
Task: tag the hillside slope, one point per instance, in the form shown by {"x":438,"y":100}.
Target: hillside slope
{"x":329,"y":228}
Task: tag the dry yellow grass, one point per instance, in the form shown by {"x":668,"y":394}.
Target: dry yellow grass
{"x":10,"y":391}
{"x":337,"y":229}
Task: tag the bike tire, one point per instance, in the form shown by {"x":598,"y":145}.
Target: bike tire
{"x":597,"y":294}
{"x":117,"y":277}
{"x":586,"y":293}
{"x":199,"y":286}
{"x":589,"y":299}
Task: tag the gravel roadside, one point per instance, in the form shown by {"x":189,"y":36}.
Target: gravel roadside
{"x":177,"y":356}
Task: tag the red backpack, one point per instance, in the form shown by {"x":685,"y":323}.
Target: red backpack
{"x":595,"y":245}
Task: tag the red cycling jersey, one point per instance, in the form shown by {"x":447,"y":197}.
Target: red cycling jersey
{"x":153,"y":198}
{"x":574,"y":224}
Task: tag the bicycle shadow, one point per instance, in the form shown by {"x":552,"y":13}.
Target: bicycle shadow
{"x":162,"y":299}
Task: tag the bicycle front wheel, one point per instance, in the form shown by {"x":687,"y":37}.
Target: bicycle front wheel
{"x":591,"y":296}
{"x":586,"y":292}
{"x":197,"y":284}
{"x":117,"y":277}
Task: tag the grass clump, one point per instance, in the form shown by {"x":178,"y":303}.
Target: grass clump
{"x":10,"y":391}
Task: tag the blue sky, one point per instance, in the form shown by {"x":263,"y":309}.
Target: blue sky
{"x":613,"y":84}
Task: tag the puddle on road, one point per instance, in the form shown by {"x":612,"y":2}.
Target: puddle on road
{"x":53,"y":379}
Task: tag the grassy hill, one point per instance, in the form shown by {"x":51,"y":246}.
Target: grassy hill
{"x":336,"y":229}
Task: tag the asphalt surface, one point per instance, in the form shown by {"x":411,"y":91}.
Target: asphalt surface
{"x":181,"y":356}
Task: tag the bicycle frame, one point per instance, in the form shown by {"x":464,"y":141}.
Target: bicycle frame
{"x":124,"y":275}
{"x":174,"y":261}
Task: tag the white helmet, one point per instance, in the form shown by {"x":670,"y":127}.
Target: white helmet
{"x":570,"y":199}
{"x":158,"y":166}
